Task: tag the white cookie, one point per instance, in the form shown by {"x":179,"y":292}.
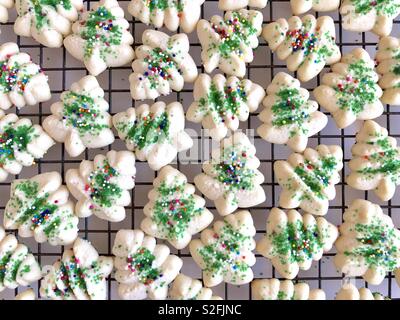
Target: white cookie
{"x":226,"y":5}
{"x":293,"y":241}
{"x":397,"y":275}
{"x":289,"y":116}
{"x":26,"y":295}
{"x":302,"y":6}
{"x":101,"y":38}
{"x":144,"y":268}
{"x":174,"y":212}
{"x":21,"y":142}
{"x":155,"y":133}
{"x":224,"y":253}
{"x":22,"y":82}
{"x":350,"y":292}
{"x":48,"y":22}
{"x":186,"y":288}
{"x":227,"y":43}
{"x":220,"y":104}
{"x":308,"y":180}
{"x":274,"y":289}
{"x":81,"y":119}
{"x":376,"y":161}
{"x":4,"y":6}
{"x":368,"y":245}
{"x":18,"y":266}
{"x":171,"y":13}
{"x":39,"y":207}
{"x":80,"y":275}
{"x":231,"y":178}
{"x":365,"y":15}
{"x":351,"y":91}
{"x":388,"y":60}
{"x":307,"y":44}
{"x":102,"y":186}
{"x":162,"y":64}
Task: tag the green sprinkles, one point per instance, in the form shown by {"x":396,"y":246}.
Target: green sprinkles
{"x":13,"y":77}
{"x":162,"y":5}
{"x":40,"y":8}
{"x":383,"y":7}
{"x":142,"y":264}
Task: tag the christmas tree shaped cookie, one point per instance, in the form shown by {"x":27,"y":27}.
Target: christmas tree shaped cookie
{"x":174,"y":212}
{"x":155,"y":133}
{"x":231,"y":178}
{"x":369,"y":243}
{"x":274,"y":289}
{"x":80,"y":274}
{"x":350,"y":292}
{"x":46,"y":21}
{"x":302,"y":6}
{"x":80,"y":120}
{"x":4,"y":6}
{"x":388,"y":60}
{"x":308,"y":180}
{"x":307,"y":44}
{"x":100,"y":38}
{"x":22,"y":82}
{"x":144,"y":268}
{"x":186,"y":288}
{"x":227,"y":43}
{"x":366,"y":15}
{"x":289,"y":116}
{"x":171,"y":13}
{"x":162,"y":64}
{"x":293,"y":241}
{"x":18,"y":267}
{"x":224,"y":253}
{"x":39,"y":207}
{"x":220,"y":104}
{"x":376,"y":161}
{"x":21,"y":142}
{"x":351,"y":90}
{"x":102,"y":186}
{"x":226,"y":5}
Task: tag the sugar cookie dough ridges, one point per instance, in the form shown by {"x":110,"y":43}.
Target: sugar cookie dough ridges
{"x":302,"y":6}
{"x":226,"y":5}
{"x":186,"y":288}
{"x":350,"y":292}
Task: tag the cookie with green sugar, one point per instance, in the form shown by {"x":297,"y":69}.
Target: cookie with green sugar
{"x":144,"y":268}
{"x":350,"y":292}
{"x":102,"y":186}
{"x":174,"y":212}
{"x":5,"y":5}
{"x":80,"y":119}
{"x":351,"y":91}
{"x":368,"y":245}
{"x":79,"y":275}
{"x":302,"y":6}
{"x":293,"y":241}
{"x":40,"y":207}
{"x":187,"y":288}
{"x":226,"y":5}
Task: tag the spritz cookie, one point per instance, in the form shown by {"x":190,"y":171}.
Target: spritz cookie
{"x":350,"y":292}
{"x":80,"y":119}
{"x":48,"y":22}
{"x":231,"y":178}
{"x":369,"y":243}
{"x":26,"y":295}
{"x":274,"y":289}
{"x":40,"y":207}
{"x":21,"y":142}
{"x":308,"y":180}
{"x":186,"y":288}
{"x":388,"y":60}
{"x":18,"y":267}
{"x":22,"y":82}
{"x":376,"y":161}
{"x":224,"y":253}
{"x":169,"y":13}
{"x":144,"y":268}
{"x":5,"y":5}
{"x":226,"y":5}
{"x":351,"y":91}
{"x":366,"y":15}
{"x":162,"y":64}
{"x":289,"y":117}
{"x":102,"y":186}
{"x":220,"y":104}
{"x":174,"y":212}
{"x":101,"y":38}
{"x":79,"y":275}
{"x":302,"y":6}
{"x":293,"y":241}
{"x":227,"y":43}
{"x":154,"y":133}
{"x":307,"y":44}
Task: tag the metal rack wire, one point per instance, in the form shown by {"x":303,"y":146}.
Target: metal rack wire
{"x":63,"y":70}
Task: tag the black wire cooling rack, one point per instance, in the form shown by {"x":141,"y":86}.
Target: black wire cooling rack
{"x":62,"y":70}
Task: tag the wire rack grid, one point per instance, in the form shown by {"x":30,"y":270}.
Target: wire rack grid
{"x":62,"y":70}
